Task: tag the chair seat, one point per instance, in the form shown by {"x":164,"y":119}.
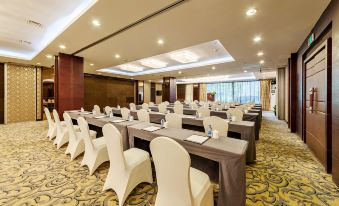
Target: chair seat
{"x":93,"y":134}
{"x":134,"y":156}
{"x":99,"y":143}
{"x":200,"y":183}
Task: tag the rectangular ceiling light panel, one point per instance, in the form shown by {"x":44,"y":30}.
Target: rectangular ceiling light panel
{"x":184,"y":56}
{"x":153,"y":63}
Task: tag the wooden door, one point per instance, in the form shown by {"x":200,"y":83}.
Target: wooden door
{"x":318,"y":104}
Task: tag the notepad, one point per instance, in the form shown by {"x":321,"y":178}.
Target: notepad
{"x":100,"y":117}
{"x":118,"y":120}
{"x":197,"y":139}
{"x":151,"y":128}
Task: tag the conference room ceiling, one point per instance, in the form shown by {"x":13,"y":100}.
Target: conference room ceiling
{"x":282,"y":25}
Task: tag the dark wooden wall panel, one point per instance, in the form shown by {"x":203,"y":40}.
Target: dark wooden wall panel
{"x":107,"y":91}
{"x":2,"y":93}
{"x":69,"y":83}
{"x":329,"y":19}
{"x":181,"y":92}
{"x":293,"y":92}
{"x":196,"y":92}
{"x":169,"y":89}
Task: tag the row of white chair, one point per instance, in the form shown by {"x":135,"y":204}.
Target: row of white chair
{"x":178,"y":183}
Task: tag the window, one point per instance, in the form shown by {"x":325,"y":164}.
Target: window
{"x":242,"y":92}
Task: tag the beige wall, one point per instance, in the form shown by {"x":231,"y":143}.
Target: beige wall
{"x":147,"y":92}
{"x":158,"y":99}
{"x":286,"y":93}
{"x":22,"y":93}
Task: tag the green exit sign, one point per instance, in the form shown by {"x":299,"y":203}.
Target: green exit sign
{"x":310,"y":39}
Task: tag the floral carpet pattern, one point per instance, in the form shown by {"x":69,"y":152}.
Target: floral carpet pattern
{"x":34,"y":172}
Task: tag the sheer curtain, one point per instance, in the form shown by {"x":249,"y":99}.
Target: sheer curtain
{"x":189,"y":92}
{"x":242,"y":92}
{"x":203,"y":92}
{"x":265,"y":94}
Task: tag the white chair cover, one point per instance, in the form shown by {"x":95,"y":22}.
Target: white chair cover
{"x":174,"y":120}
{"x":51,"y":125}
{"x":162,"y":108}
{"x":61,"y":131}
{"x":216,"y":123}
{"x":97,"y":109}
{"x":205,"y":112}
{"x":107,"y":110}
{"x":124,"y":113}
{"x":95,"y":150}
{"x":132,"y":106}
{"x":237,"y":113}
{"x":144,"y":106}
{"x":178,"y":183}
{"x":178,"y":108}
{"x":127,"y":169}
{"x":151,"y":104}
{"x":143,"y":115}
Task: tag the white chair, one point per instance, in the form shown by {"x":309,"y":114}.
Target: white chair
{"x":124,"y":113}
{"x":95,"y":150}
{"x":144,"y":106}
{"x":143,"y":115}
{"x":227,"y":105}
{"x":205,"y":112}
{"x":178,"y":183}
{"x":127,"y":169}
{"x":166,"y":103}
{"x":174,"y":120}
{"x":51,"y":125}
{"x":61,"y":131}
{"x":76,"y":144}
{"x":178,"y":108}
{"x":237,"y":113}
{"x":206,"y":105}
{"x":132,"y":106}
{"x":220,"y":107}
{"x":213,"y":107}
{"x":107,"y":110}
{"x":151,"y":104}
{"x":177,"y":102}
{"x":196,"y":101}
{"x":162,"y":108}
{"x":216,"y":123}
{"x":194,"y":106}
{"x":97,"y":109}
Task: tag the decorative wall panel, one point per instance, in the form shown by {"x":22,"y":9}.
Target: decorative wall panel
{"x":38,"y":73}
{"x":21,"y":102}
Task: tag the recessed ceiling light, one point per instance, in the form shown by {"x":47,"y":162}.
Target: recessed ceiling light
{"x":99,"y":73}
{"x":179,"y":72}
{"x":117,"y":56}
{"x":131,"y":68}
{"x":49,"y":56}
{"x":160,"y":41}
{"x":153,"y":63}
{"x":260,"y":54}
{"x":61,"y":46}
{"x":38,"y":63}
{"x":96,"y":22}
{"x":184,"y":56}
{"x":245,"y":71}
{"x":262,"y":62}
{"x":257,"y":39}
{"x":132,"y":78}
{"x":213,"y":68}
{"x":91,"y":64}
{"x":251,"y":12}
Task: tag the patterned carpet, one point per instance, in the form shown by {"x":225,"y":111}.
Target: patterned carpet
{"x":33,"y":172}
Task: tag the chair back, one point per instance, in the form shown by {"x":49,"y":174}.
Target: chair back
{"x":166,"y":103}
{"x":97,"y":109}
{"x":132,"y":106}
{"x":174,"y":120}
{"x":57,"y":122}
{"x":114,"y":145}
{"x":237,"y":113}
{"x":107,"y":110}
{"x":205,"y":112}
{"x":49,"y":118}
{"x":194,"y":106}
{"x":144,"y":106}
{"x":124,"y":113}
{"x":178,"y":108}
{"x":70,"y":128}
{"x":143,"y":115}
{"x":151,"y":104}
{"x":220,"y":107}
{"x":162,"y":108}
{"x":216,"y":123}
{"x":85,"y":134}
{"x":172,"y":165}
{"x":177,"y":102}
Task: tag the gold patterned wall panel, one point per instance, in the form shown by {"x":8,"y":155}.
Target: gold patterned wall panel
{"x":38,"y":94}
{"x":21,"y":93}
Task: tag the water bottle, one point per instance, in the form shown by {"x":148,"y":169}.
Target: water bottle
{"x":82,"y":109}
{"x":118,"y":106}
{"x":111,"y":114}
{"x":209,"y":131}
{"x":162,"y":123}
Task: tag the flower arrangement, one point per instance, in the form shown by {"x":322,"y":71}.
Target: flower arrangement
{"x":213,"y":93}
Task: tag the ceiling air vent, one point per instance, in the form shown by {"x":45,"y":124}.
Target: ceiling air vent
{"x":25,"y":42}
{"x":34,"y":23}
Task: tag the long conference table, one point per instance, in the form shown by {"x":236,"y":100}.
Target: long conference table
{"x":252,"y":117}
{"x":229,"y":153}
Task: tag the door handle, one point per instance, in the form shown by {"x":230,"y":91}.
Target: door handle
{"x":311,"y":95}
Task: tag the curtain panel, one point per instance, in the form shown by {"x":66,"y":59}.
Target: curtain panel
{"x":189,"y":92}
{"x":203,"y":92}
{"x":265,"y":94}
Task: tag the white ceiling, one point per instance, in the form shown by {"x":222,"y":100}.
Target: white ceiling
{"x":283,"y":25}
{"x":27,"y":27}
